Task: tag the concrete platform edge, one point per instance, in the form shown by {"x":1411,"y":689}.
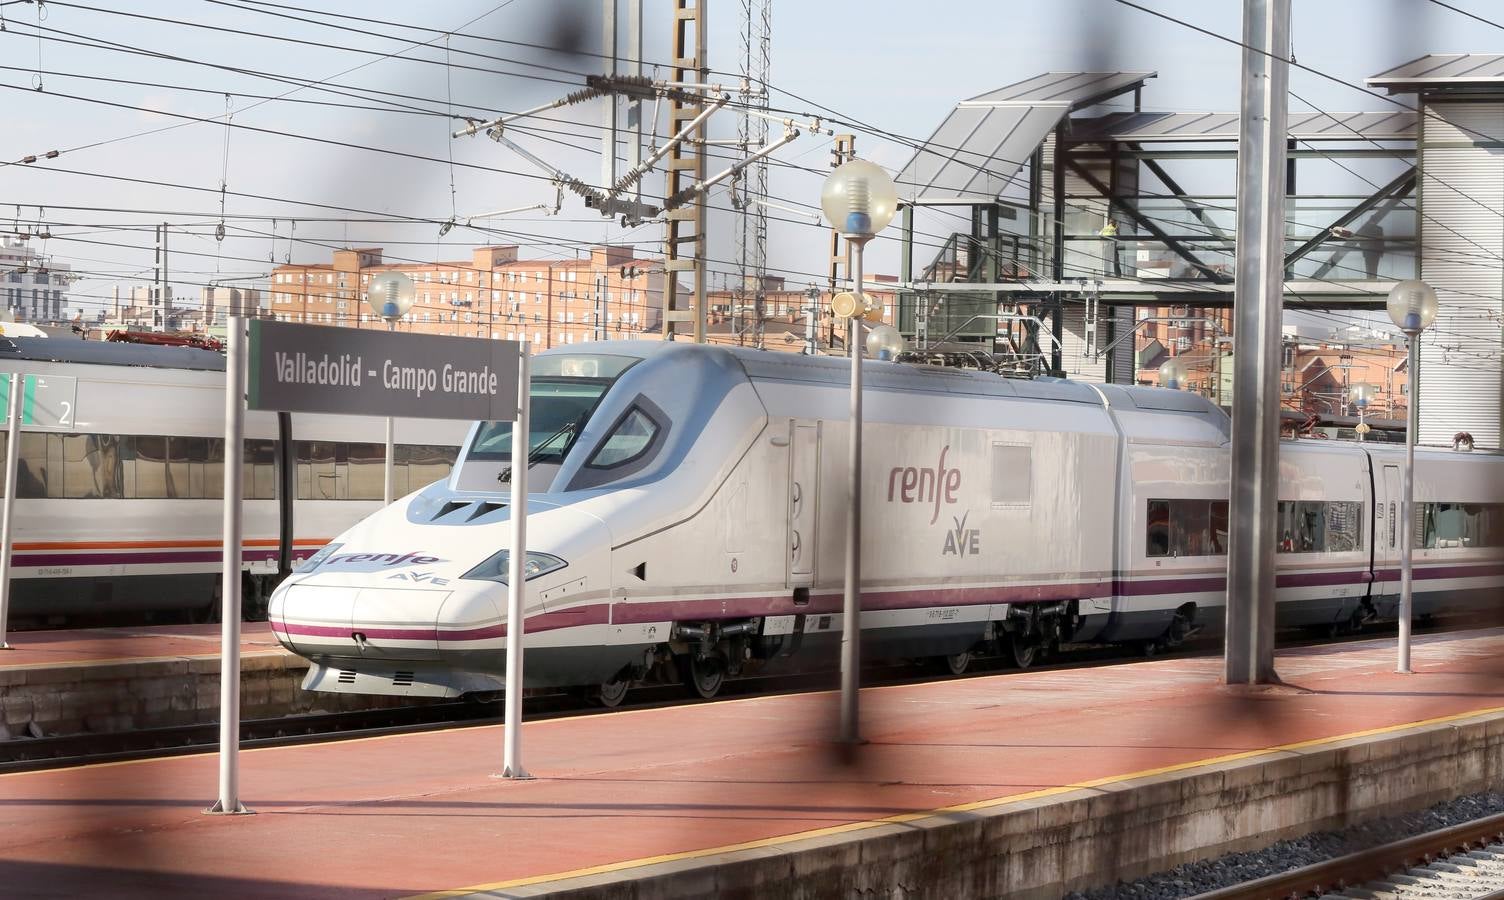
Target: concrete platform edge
{"x":1048,"y":842}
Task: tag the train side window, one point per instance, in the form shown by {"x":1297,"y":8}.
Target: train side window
{"x":1012,"y":475}
{"x":1219,"y":528}
{"x":190,"y":454}
{"x":54,"y":466}
{"x":425,"y":463}
{"x":1318,"y":526}
{"x":259,"y":474}
{"x":1344,"y":526}
{"x":1187,"y":527}
{"x":92,"y":467}
{"x":629,"y":440}
{"x":1451,"y":526}
{"x":31,"y":474}
{"x":1190,"y":528}
{"x":1158,"y":524}
{"x":151,"y":467}
{"x":366,"y":468}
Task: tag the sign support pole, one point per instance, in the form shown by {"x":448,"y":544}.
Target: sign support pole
{"x":7,"y":510}
{"x":229,"y":667}
{"x":516,"y":574}
{"x":389,"y":475}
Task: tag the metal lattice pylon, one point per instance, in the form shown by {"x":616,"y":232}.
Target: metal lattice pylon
{"x":752,"y":132}
{"x":684,"y":239}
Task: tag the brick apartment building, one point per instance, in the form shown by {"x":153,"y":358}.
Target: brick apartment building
{"x":1317,"y":371}
{"x":609,"y":295}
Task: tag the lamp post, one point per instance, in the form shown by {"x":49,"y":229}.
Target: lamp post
{"x":1361,"y":396}
{"x":858,"y":200}
{"x":390,"y":296}
{"x":1412,"y":306}
{"x":1172,"y":374}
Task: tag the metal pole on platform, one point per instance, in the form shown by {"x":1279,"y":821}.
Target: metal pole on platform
{"x":1412,"y":306}
{"x":858,"y":200}
{"x":1407,"y":515}
{"x":517,"y":573}
{"x":389,"y":472}
{"x":851,"y":603}
{"x":229,"y":631}
{"x":1257,"y":309}
{"x":7,"y":509}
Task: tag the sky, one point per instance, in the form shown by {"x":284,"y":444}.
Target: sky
{"x":885,"y":66}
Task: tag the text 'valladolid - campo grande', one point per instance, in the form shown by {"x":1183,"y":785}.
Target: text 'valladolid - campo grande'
{"x":346,"y":370}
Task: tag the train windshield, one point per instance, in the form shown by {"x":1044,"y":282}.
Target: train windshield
{"x":565,"y":391}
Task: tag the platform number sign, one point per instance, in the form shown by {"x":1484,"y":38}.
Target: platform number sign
{"x":47,"y":401}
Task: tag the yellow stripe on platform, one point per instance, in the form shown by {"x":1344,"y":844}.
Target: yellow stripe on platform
{"x":973,"y":806}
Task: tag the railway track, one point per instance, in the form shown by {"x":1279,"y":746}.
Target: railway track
{"x":1460,"y":862}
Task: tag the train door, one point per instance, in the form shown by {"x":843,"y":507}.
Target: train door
{"x":804,"y":476}
{"x":1386,"y":555}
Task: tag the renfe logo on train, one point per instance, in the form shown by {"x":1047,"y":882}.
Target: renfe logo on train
{"x":410,"y":558}
{"x":930,"y":486}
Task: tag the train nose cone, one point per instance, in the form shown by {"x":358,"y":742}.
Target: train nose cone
{"x":377,"y":624}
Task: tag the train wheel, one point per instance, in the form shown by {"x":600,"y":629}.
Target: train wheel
{"x":703,"y":676}
{"x":1020,"y":651}
{"x":611,"y":693}
{"x":957,"y":663}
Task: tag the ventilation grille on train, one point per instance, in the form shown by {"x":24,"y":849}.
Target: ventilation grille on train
{"x":346,"y":676}
{"x":402,"y":679}
{"x":476,"y":509}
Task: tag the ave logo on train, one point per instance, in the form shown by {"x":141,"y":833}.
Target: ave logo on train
{"x":934,"y":487}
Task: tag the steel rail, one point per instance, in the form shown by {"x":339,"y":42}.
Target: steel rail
{"x":1356,"y":869}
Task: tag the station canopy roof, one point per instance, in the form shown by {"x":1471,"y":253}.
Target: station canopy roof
{"x":1444,"y":71}
{"x":1150,"y":127}
{"x":977,"y":151}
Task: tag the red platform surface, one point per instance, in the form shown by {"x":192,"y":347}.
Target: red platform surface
{"x":94,"y":646}
{"x":415,"y":813}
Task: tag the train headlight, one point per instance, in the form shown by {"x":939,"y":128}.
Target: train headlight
{"x":495,"y":568}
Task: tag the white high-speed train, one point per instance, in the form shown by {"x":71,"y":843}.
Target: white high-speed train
{"x":118,"y":505}
{"x":689,"y":522}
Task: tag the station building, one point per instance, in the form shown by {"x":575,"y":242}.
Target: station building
{"x":611,"y":294}
{"x":1061,"y":225}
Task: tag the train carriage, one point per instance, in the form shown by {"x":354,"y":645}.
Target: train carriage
{"x":689,"y":523}
{"x":119,"y":509}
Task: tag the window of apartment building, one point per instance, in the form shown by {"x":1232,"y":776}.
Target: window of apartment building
{"x":328,"y":277}
{"x":496,"y":296}
{"x":428,"y":276}
{"x":537,"y":298}
{"x":365,"y":279}
{"x":470,"y":276}
{"x":568,"y":338}
{"x":537,"y":276}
